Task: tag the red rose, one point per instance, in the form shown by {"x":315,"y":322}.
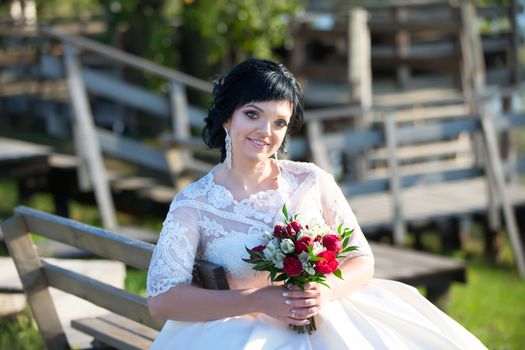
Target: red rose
{"x":302,"y":244}
{"x":280,"y":232}
{"x":328,"y":265}
{"x":332,"y":243}
{"x":293,"y":228}
{"x":292,"y":266}
{"x":259,"y":248}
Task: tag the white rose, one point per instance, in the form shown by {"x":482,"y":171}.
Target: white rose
{"x":309,"y":270}
{"x":267,"y":237}
{"x":270,"y":250}
{"x":287,"y":246}
{"x":304,"y":257}
{"x":317,"y":248}
{"x":278,"y":260}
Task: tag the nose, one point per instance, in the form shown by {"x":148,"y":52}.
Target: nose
{"x":265,"y":127}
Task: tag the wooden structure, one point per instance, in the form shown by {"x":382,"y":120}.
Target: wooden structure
{"x":20,"y":159}
{"x":433,"y":187}
{"x":130,"y":325}
{"x":92,"y":141}
{"x":423,"y":38}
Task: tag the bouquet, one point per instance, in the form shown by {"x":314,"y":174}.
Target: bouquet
{"x":299,"y":253}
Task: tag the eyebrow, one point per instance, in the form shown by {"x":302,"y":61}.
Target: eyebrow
{"x":254,"y":106}
{"x":261,"y":110}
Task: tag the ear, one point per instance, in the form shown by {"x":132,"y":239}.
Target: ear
{"x":226,"y":125}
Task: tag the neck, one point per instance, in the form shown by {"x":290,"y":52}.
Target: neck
{"x":248,"y":178}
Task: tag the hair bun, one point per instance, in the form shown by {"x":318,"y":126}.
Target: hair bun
{"x":218,"y":82}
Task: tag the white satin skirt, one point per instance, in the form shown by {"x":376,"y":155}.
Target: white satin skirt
{"x":382,"y":315}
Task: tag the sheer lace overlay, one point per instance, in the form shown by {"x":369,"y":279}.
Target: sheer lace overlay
{"x":206,"y":221}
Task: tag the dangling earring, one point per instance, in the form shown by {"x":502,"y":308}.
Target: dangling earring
{"x":228,"y":147}
{"x":277,"y":162}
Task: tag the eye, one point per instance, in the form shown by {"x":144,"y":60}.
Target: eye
{"x":281,"y":123}
{"x":251,"y":114}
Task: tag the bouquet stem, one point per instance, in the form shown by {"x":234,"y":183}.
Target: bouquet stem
{"x":309,"y":328}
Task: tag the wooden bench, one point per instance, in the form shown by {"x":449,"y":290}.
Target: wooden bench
{"x":129,"y":326}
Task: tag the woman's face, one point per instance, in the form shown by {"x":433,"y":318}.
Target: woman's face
{"x":258,"y":129}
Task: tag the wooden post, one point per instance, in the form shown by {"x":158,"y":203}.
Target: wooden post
{"x":489,"y":132}
{"x":394,"y":179}
{"x":178,"y":159}
{"x":35,"y":284}
{"x":472,"y":52}
{"x":360,"y":75}
{"x":88,"y":140}
{"x":402,"y":42}
{"x":359,"y":58}
{"x":317,"y":148}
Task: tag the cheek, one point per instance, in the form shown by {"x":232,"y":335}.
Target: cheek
{"x":280,"y":134}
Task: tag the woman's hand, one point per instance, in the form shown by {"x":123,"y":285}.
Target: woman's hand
{"x":292,"y":305}
{"x":307,"y":303}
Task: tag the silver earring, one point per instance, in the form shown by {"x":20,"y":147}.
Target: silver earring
{"x":277,"y":163}
{"x":228,"y":146}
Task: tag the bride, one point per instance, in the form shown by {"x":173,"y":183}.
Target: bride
{"x":255,"y":107}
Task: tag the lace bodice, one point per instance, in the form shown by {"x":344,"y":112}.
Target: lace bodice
{"x":206,"y":221}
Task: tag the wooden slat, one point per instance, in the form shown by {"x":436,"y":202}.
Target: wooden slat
{"x":415,"y":268}
{"x":132,"y":151}
{"x":394,"y":180}
{"x":437,"y":131}
{"x":442,"y":176}
{"x":125,"y":93}
{"x":354,"y":142}
{"x":97,"y":241}
{"x":492,"y":148}
{"x":439,"y":149}
{"x":111,"y":334}
{"x":131,"y":326}
{"x":129,"y":59}
{"x":104,"y":295}
{"x":34,"y":282}
{"x":86,"y":142}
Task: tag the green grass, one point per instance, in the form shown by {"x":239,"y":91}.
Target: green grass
{"x":491,"y":304}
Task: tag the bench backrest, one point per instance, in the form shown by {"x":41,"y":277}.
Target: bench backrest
{"x":38,"y":275}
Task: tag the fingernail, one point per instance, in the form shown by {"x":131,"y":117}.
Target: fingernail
{"x":285,"y":294}
{"x":287,"y":302}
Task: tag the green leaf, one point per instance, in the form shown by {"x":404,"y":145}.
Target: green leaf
{"x":285,"y":212}
{"x":339,"y":228}
{"x":338,"y":273}
{"x":346,"y":241}
{"x":272,"y":275}
{"x":315,"y":258}
{"x":324,"y":284}
{"x":281,"y":277}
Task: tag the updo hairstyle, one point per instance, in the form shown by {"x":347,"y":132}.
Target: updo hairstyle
{"x":254,"y":80}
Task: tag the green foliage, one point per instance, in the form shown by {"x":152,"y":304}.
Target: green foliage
{"x":19,"y":332}
{"x":238,"y":29}
{"x":491,"y":306}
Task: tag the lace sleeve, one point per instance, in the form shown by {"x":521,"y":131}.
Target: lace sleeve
{"x":336,"y":211}
{"x":174,"y":256}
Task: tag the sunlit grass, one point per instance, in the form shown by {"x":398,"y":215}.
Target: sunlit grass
{"x":491,"y":305}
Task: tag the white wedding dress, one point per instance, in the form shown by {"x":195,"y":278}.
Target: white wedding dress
{"x":205,"y":221}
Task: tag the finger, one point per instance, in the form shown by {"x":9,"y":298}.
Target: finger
{"x":300,"y":294}
{"x":301,"y":303}
{"x":305,"y":313}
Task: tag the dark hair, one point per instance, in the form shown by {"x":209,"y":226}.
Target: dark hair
{"x":254,"y":80}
